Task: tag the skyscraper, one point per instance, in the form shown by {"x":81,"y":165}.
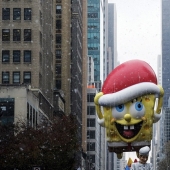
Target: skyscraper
{"x":165,"y":50}
{"x":93,"y":35}
{"x":43,"y":59}
{"x":166,"y":63}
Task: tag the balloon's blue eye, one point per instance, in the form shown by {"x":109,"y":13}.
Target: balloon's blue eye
{"x":138,"y":106}
{"x":120,"y":108}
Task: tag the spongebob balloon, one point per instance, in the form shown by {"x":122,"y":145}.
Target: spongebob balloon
{"x":125,"y":107}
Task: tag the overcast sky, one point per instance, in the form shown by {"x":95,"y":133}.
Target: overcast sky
{"x":138,"y":32}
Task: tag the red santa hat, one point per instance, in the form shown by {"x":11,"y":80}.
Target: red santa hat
{"x":128,"y":81}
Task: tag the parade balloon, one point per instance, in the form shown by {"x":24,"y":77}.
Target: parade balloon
{"x":125,"y":106}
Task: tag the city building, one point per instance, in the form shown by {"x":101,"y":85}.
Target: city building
{"x":111,"y":60}
{"x":165,"y":50}
{"x":93,"y":34}
{"x":157,"y":140}
{"x":165,"y":65}
{"x":96,"y":39}
{"x":43,"y":68}
{"x":161,"y":133}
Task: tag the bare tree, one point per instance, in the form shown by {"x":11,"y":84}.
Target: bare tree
{"x":52,"y":147}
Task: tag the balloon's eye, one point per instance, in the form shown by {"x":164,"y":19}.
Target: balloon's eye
{"x":119,"y":111}
{"x":138,"y":106}
{"x":137,"y":110}
{"x":120,"y":108}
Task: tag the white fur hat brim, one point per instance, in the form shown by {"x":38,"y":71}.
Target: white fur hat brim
{"x":129,"y":93}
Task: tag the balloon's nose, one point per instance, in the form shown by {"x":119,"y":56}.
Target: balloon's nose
{"x":127,"y":117}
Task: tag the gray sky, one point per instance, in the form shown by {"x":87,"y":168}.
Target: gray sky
{"x":138,"y":32}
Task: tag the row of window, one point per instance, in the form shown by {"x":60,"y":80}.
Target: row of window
{"x":16,"y":56}
{"x":16,"y":13}
{"x":16,"y":34}
{"x":16,"y":79}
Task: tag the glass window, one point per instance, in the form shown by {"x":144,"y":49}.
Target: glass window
{"x":58,"y":54}
{"x":91,"y":146}
{"x":5,"y":13}
{"x":92,"y":15}
{"x":58,"y":9}
{"x":5,"y":34}
{"x":17,"y":14}
{"x":16,"y":56}
{"x":91,"y":123}
{"x":16,"y":35}
{"x":58,"y":84}
{"x":27,"y":77}
{"x":58,"y":68}
{"x":58,"y":24}
{"x":91,"y":110}
{"x":91,"y":158}
{"x":16,"y":77}
{"x":90,"y":97}
{"x":27,"y":56}
{"x":27,"y":13}
{"x":58,"y":38}
{"x":27,"y":34}
{"x":5,"y":56}
{"x":5,"y":77}
{"x":91,"y":134}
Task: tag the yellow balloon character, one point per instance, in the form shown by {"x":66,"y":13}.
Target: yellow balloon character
{"x":125,"y":107}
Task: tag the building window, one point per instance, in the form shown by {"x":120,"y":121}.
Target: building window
{"x":58,"y":68}
{"x":58,"y":9}
{"x":91,"y":158}
{"x":17,"y":14}
{"x":91,"y":134}
{"x":58,"y":84}
{"x":5,"y":13}
{"x":58,"y":38}
{"x":7,"y":107}
{"x":5,"y":77}
{"x":91,"y":123}
{"x":5,"y":34}
{"x":16,"y":77}
{"x":91,"y":110}
{"x":27,"y":34}
{"x":27,"y":77}
{"x":92,"y":15}
{"x":5,"y":56}
{"x":27,"y":56}
{"x":16,"y":56}
{"x":90,"y":97}
{"x":90,"y":146}
{"x":27,"y":13}
{"x":58,"y":54}
{"x":58,"y":24}
{"x":16,"y":35}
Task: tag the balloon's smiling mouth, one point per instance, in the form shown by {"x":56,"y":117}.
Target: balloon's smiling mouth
{"x":130,"y":131}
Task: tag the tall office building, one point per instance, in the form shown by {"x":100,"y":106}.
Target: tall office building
{"x":165,"y":57}
{"x":165,"y":50}
{"x":111,"y":58}
{"x":109,"y":64}
{"x":95,"y":147}
{"x":43,"y":68}
{"x":93,"y":35}
{"x":158,"y":137}
{"x":164,"y":133}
